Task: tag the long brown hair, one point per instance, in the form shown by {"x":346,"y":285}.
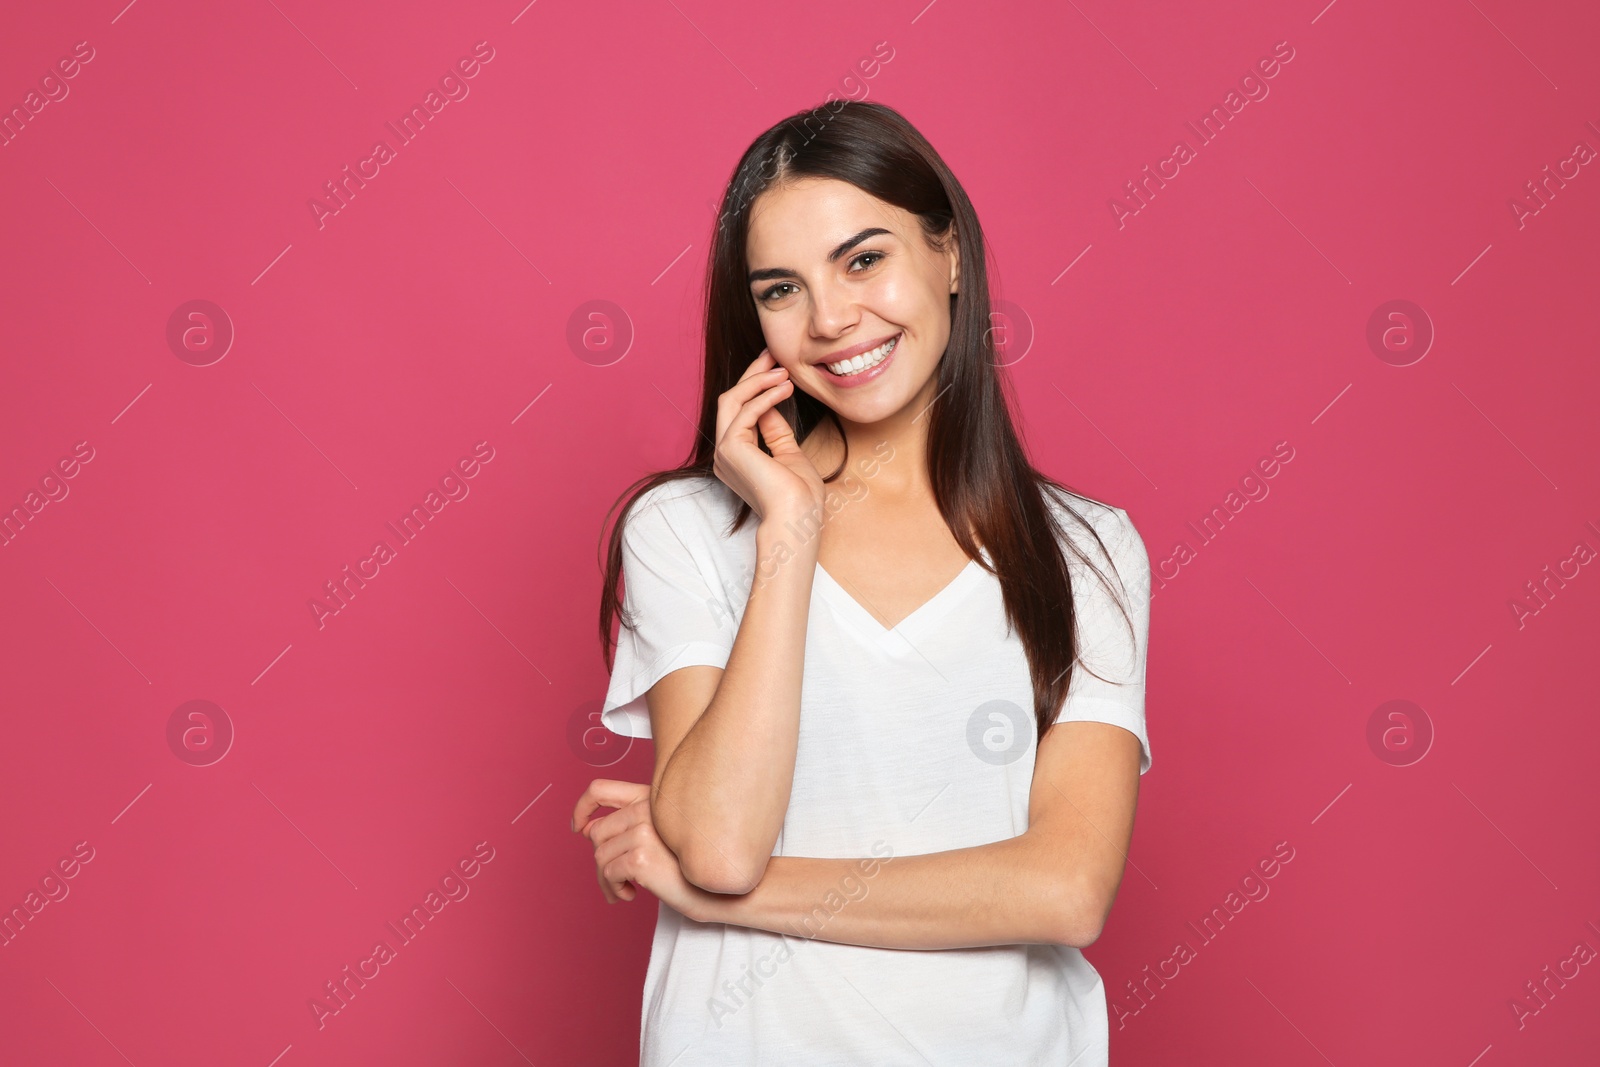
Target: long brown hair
{"x":980,"y":473}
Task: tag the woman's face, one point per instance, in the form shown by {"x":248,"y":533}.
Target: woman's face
{"x":834,"y":271}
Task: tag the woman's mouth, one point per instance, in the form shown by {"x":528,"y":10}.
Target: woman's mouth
{"x":859,"y":367}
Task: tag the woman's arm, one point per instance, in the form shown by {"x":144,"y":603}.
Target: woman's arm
{"x":726,"y":741}
{"x":725,"y":738}
{"x":1004,"y":893}
{"x":1053,"y":884}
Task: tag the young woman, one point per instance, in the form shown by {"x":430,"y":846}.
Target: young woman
{"x":897,"y":708}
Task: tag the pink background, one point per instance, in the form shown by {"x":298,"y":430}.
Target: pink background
{"x":444,"y":704}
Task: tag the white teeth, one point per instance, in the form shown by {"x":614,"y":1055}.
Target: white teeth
{"x":847,"y":367}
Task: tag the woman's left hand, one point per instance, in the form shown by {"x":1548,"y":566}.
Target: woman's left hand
{"x":628,"y":852}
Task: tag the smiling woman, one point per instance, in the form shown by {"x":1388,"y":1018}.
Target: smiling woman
{"x":950,"y":672}
{"x":906,"y":281}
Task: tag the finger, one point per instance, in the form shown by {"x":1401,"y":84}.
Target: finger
{"x":629,"y":796}
{"x":776,"y":432}
{"x":603,"y":829}
{"x":609,"y":885}
{"x":734,"y":399}
{"x":745,"y":419}
{"x":759,"y":364}
{"x":605,"y":886}
{"x":623,"y":861}
{"x":588,"y":801}
{"x":616,"y":845}
{"x":605,"y":793}
{"x":747,"y":389}
{"x":619,"y":872}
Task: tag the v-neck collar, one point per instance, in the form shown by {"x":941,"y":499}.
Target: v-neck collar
{"x":931,"y":611}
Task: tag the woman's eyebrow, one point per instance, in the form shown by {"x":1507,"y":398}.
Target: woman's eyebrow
{"x":845,"y":246}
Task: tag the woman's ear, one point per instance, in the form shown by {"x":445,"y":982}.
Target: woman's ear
{"x":955,"y":260}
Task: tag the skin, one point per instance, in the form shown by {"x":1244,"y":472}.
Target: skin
{"x":1055,"y":882}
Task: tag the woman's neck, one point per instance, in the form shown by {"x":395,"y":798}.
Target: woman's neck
{"x":899,"y":470}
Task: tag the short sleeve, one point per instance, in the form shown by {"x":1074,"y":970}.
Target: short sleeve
{"x":1107,"y":643}
{"x":680,"y":618}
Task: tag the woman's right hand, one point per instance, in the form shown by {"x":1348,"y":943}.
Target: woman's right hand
{"x":786,"y":482}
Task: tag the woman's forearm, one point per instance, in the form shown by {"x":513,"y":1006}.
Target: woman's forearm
{"x":1005,"y":893}
{"x":723,"y":795}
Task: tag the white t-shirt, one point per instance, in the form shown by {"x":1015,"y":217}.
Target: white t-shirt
{"x":913,"y":740}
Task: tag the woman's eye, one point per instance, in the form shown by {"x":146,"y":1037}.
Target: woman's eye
{"x":776,"y":292}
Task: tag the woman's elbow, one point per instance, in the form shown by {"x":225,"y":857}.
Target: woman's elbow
{"x":714,"y":871}
{"x":1080,"y":917}
{"x":716,"y":867}
{"x":1077,"y":933}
